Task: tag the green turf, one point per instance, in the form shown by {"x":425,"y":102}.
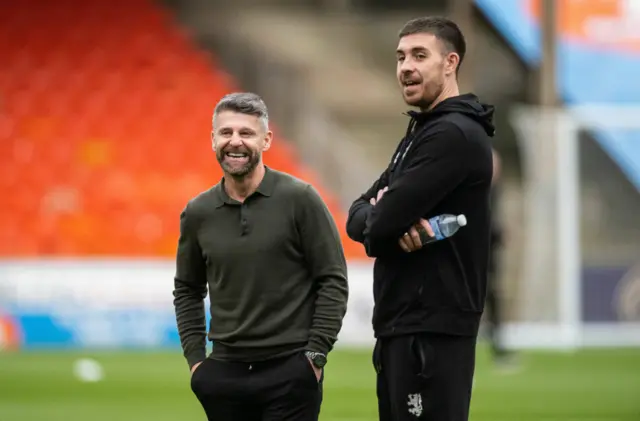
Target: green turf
{"x":587,"y":386}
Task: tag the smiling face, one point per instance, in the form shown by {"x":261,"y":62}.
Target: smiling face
{"x":424,"y":68}
{"x":238,"y":141}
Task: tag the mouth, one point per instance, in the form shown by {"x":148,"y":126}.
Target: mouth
{"x":236,"y":156}
{"x":410,"y":87}
{"x":409,"y":83}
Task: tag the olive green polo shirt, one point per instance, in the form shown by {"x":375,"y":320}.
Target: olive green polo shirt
{"x":274,"y":268}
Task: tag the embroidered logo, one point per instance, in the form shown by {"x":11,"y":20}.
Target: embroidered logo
{"x":415,"y":404}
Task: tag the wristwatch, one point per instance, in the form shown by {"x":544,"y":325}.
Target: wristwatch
{"x":318,"y":359}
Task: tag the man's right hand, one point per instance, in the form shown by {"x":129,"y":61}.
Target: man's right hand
{"x":195,"y":367}
{"x":376,"y":199}
{"x":410,"y":241}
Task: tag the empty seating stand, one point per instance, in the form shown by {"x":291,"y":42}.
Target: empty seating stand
{"x":104,"y":129}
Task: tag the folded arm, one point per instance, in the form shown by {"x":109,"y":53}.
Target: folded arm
{"x":361,"y":209}
{"x":437,"y":164}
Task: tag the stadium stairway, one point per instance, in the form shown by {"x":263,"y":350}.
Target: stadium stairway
{"x":104,"y":131}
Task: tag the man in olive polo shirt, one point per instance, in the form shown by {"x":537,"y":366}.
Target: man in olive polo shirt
{"x":268,"y":250}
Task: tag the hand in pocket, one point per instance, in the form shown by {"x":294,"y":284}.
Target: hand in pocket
{"x":195,"y":367}
{"x":317,"y":371}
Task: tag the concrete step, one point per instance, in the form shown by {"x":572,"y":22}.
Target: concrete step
{"x":338,"y":76}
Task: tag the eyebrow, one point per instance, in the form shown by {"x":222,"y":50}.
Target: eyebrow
{"x":413,"y":50}
{"x":241,"y":129}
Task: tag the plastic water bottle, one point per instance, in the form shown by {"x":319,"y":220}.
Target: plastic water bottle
{"x":444,"y":226}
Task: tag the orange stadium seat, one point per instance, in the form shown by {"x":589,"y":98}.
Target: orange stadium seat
{"x":104,"y":130}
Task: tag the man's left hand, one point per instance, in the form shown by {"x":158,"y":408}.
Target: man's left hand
{"x":381,"y":192}
{"x":316,"y":370}
{"x":410,"y":241}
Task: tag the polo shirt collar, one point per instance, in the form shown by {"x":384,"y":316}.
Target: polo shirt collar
{"x":265,"y":188}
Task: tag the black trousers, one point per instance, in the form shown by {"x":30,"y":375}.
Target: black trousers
{"x":283,"y":389}
{"x":424,"y":376}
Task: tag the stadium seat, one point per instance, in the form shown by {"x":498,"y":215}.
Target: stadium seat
{"x":104,"y":134}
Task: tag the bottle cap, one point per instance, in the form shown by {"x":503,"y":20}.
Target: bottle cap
{"x":462,"y":220}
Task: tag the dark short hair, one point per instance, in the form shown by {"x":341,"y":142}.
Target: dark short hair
{"x":244,"y":103}
{"x":446,"y":30}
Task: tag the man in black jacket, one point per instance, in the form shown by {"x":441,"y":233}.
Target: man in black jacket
{"x":429,"y":300}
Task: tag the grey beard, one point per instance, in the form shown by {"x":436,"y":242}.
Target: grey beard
{"x":243,"y":171}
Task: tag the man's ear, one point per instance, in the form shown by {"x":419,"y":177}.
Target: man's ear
{"x":268,"y":138}
{"x":451,"y":63}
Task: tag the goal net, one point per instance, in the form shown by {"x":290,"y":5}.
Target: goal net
{"x":579,"y":274}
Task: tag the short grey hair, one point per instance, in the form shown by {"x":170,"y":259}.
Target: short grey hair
{"x":243,"y":103}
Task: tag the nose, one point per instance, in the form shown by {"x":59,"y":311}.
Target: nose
{"x":407,"y":66}
{"x":235,"y":140}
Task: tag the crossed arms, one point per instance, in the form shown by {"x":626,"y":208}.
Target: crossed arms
{"x":437,"y":164}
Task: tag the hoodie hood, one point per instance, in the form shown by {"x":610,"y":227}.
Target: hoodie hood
{"x":467,"y":104}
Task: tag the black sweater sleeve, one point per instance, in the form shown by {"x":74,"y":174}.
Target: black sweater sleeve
{"x":190,"y":290}
{"x":327,"y":266}
{"x":361,"y":209}
{"x":436,"y":166}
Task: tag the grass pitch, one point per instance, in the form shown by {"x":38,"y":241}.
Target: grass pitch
{"x":602,"y":385}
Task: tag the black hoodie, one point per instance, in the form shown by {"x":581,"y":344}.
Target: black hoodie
{"x":443,"y":165}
